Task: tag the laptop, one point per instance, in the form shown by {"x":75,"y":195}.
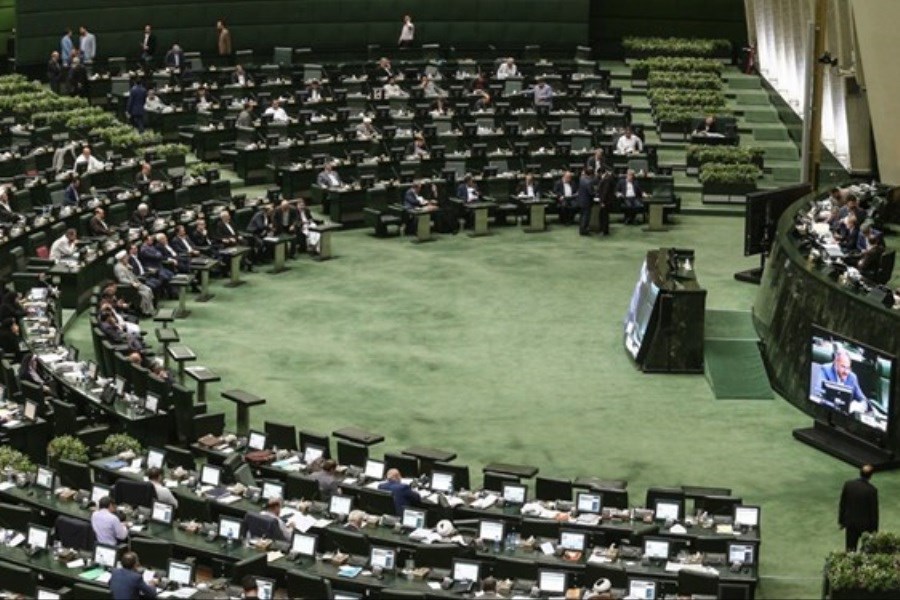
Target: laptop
{"x":465,"y":574}
{"x":515,"y":493}
{"x":413,"y":518}
{"x":383,"y":558}
{"x":552,"y":583}
{"x":210,"y":480}
{"x":641,"y":589}
{"x":374,"y":470}
{"x":304,"y":545}
{"x":256,"y":441}
{"x":162,"y":513}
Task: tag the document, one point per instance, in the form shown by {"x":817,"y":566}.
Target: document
{"x":301,"y":522}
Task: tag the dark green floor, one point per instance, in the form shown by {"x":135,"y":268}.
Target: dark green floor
{"x":509,"y":348}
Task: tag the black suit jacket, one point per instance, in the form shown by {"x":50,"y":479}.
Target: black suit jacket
{"x":858,"y":509}
{"x":278,"y":220}
{"x":585,"y":191}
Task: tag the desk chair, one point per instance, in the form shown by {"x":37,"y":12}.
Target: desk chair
{"x":153,"y":553}
{"x":615,"y":573}
{"x":437,"y":555}
{"x":255,"y":565}
{"x":515,"y":568}
{"x":693,"y":583}
{"x":75,"y":475}
{"x":539,"y":528}
{"x":18,"y":579}
{"x":376,"y":502}
{"x":179,"y":457}
{"x":74,"y":533}
{"x":356,"y":455}
{"x":299,"y":486}
{"x":280,"y":435}
{"x":400,"y":595}
{"x":350,"y":542}
{"x":408,"y":465}
{"x":213,"y":423}
{"x":190,"y":507}
{"x":549,"y":488}
{"x":13,"y":516}
{"x":494,"y":481}
{"x":135,"y":493}
{"x":258,"y":525}
{"x":67,"y":422}
{"x":302,"y":585}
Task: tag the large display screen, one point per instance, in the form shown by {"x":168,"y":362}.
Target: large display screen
{"x":851,"y":378}
{"x":640,"y":312}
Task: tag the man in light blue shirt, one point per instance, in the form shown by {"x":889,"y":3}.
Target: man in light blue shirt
{"x":65,"y":47}
{"x":108,"y":529}
{"x":88,"y":45}
{"x":543,"y":95}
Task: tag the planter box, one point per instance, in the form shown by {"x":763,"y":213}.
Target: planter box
{"x":864,"y":595}
{"x":693,"y":166}
{"x":726,"y":193}
{"x":673,"y":130}
{"x":175,"y":162}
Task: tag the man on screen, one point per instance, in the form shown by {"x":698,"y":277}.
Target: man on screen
{"x":839,"y":370}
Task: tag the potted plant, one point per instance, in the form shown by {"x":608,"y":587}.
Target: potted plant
{"x":120,"y":442}
{"x":175,"y":155}
{"x":727,"y":183}
{"x":862,"y":576}
{"x":698,"y":154}
{"x":641,"y":47}
{"x":67,"y":447}
{"x":684,"y":81}
{"x":13,"y":460}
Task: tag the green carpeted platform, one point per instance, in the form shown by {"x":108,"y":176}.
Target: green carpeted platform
{"x":733,"y":366}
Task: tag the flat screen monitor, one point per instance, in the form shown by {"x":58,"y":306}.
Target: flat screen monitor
{"x":98,"y":492}
{"x":45,"y":478}
{"x":304,"y":544}
{"x":656,"y":548}
{"x":92,"y":370}
{"x":762,"y":210}
{"x":265,"y":588}
{"x":151,"y":403}
{"x":667,"y":510}
{"x":180,"y":573}
{"x":515,"y":493}
{"x":851,"y":379}
{"x":155,"y":458}
{"x":553,"y":582}
{"x":45,"y":594}
{"x":572,"y":540}
{"x":229,"y":528}
{"x":256,"y":441}
{"x":466,"y":570}
{"x":105,"y":556}
{"x":747,"y":516}
{"x":381,"y":557}
{"x":587,"y":502}
{"x":162,"y":513}
{"x":312,"y":453}
{"x":640,"y":313}
{"x":413,"y":518}
{"x":340,"y":505}
{"x":642,"y":589}
{"x":38,"y":537}
{"x":741,"y":553}
{"x":272,"y":489}
{"x":374,"y":469}
{"x":211,"y":475}
{"x":119,"y":386}
{"x":30,"y":411}
{"x":441,"y":481}
{"x":490,"y":531}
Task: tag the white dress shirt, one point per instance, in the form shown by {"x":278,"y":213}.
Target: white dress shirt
{"x":628,"y":145}
{"x":279,"y":115}
{"x":91,"y":161}
{"x":62,"y":248}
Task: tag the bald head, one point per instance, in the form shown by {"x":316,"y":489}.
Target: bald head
{"x":393,"y":475}
{"x":866,"y":471}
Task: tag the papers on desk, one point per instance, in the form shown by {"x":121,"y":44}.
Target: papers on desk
{"x":185,"y":592}
{"x":274,"y":555}
{"x":536,"y":509}
{"x":588,"y":519}
{"x":486,"y":502}
{"x":373,"y":485}
{"x":724,"y":529}
{"x":426,"y":536}
{"x":434,"y":498}
{"x":301,"y":522}
{"x":115,"y":465}
{"x":674,"y":567}
{"x":75,"y":564}
{"x":349,"y":571}
{"x":6,"y":485}
{"x":547,"y":548}
{"x":225,"y":448}
{"x":599,"y":559}
{"x":16,"y":540}
{"x":136,"y":528}
{"x":92,"y":574}
{"x":288,"y":464}
{"x":435,"y":585}
{"x":228,"y":499}
{"x":13,"y":423}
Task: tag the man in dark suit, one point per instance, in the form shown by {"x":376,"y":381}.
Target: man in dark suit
{"x":97,"y":224}
{"x":259,"y":228}
{"x":148,"y":45}
{"x":54,"y":71}
{"x":585,"y":200}
{"x":78,"y":78}
{"x":142,"y":217}
{"x":564,"y":190}
{"x":597,"y":161}
{"x":858,"y":509}
{"x":154,"y":260}
{"x":286,"y":221}
{"x":607,"y":193}
{"x":127,"y":582}
{"x":403,"y":494}
{"x":72,"y":197}
{"x":7,"y":214}
{"x":134,"y":108}
{"x":632,"y":196}
{"x":175,"y":57}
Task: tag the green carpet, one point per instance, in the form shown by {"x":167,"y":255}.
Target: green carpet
{"x":510,"y":348}
{"x":733,"y":366}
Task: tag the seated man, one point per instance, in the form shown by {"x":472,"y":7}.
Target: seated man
{"x":328,"y":482}
{"x":528,"y":188}
{"x":392,"y":89}
{"x":277,"y":113}
{"x":153,"y":260}
{"x":365,"y":130}
{"x":240,"y":77}
{"x":543,"y":95}
{"x":417,"y":148}
{"x":286,"y":221}
{"x":87,"y":159}
{"x":629,"y":143}
{"x":468,"y":191}
{"x":226,"y":234}
{"x":631,"y":194}
{"x":72,"y":196}
{"x":127,"y":581}
{"x":97,"y":224}
{"x":328,"y":178}
{"x":65,"y":246}
{"x":709,"y":127}
{"x":314,"y":92}
{"x":273,"y":511}
{"x":565,"y":192}
{"x":259,"y":228}
{"x":847,"y":233}
{"x":245,"y":117}
{"x":507,"y":69}
{"x":163,"y":494}
{"x":403,"y":494}
{"x":144,"y":177}
{"x":108,"y":529}
{"x":7,"y":214}
{"x":175,"y":57}
{"x":125,"y":275}
{"x":173,"y":259}
{"x":430,"y":89}
{"x":413,"y":200}
{"x":155,"y":104}
{"x":142,"y":218}
{"x":597,"y":161}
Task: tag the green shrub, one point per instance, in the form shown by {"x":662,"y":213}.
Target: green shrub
{"x":860,"y":571}
{"x":722,"y":174}
{"x":701,"y":154}
{"x":688,"y":98}
{"x":684,"y":81}
{"x":677,"y":63}
{"x":15,"y":461}
{"x":696,"y":47}
{"x":164,"y":150}
{"x":883,"y":542}
{"x":120,"y":442}
{"x":69,"y":448}
{"x":199,"y":169}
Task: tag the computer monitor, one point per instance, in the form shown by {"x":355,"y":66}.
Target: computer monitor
{"x":38,"y":537}
{"x":573,"y":540}
{"x":741,"y":553}
{"x":466,"y":570}
{"x":45,"y":479}
{"x":29,"y":413}
{"x":515,"y":493}
{"x":265,"y":588}
{"x":656,"y":548}
{"x":99,"y":491}
{"x":384,"y":558}
{"x":229,"y":528}
{"x":272,"y":489}
{"x":119,"y":385}
{"x":155,"y":458}
{"x":180,"y":573}
{"x":553,"y":582}
{"x":374,"y":469}
{"x":304,"y":544}
{"x":340,"y":505}
{"x":256,"y":441}
{"x":413,"y":518}
{"x":105,"y":556}
{"x":588,"y":502}
{"x":441,"y":481}
{"x":211,"y":475}
{"x":667,"y":510}
{"x":162,"y":513}
{"x":151,"y":403}
{"x":746,"y":516}
{"x":92,"y":370}
{"x":47,"y":594}
{"x":642,"y":589}
{"x":490,"y":531}
{"x":312,"y":453}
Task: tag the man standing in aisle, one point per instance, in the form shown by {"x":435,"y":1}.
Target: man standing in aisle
{"x":858,"y":508}
{"x":224,"y":41}
{"x":88,"y":45}
{"x":135,"y":108}
{"x":148,"y":46}
{"x":65,"y":47}
{"x":585,"y":200}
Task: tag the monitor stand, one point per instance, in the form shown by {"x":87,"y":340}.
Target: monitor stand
{"x":753,"y":276}
{"x":846,"y":447}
